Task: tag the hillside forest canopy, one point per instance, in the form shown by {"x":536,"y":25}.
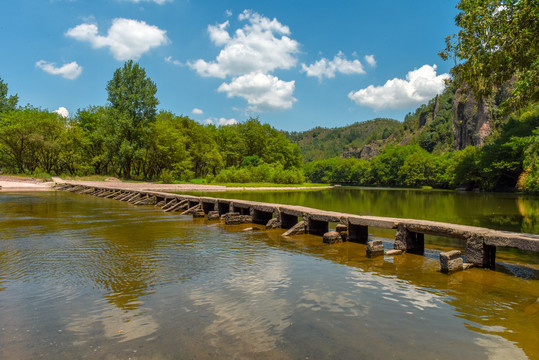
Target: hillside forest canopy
{"x":496,"y":67}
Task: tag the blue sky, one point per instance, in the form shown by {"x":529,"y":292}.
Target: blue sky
{"x":295,"y":64}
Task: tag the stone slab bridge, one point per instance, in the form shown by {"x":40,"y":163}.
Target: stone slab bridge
{"x":481,"y":243}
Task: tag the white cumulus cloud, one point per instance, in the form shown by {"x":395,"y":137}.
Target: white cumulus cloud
{"x":370,"y":60}
{"x":172,"y":61}
{"x":197,"y":111}
{"x":262,"y":45}
{"x":69,"y":71}
{"x":263,"y":92}
{"x":221,"y":121}
{"x":327,"y":68}
{"x":126,"y":38}
{"x":62,"y":111}
{"x":419,"y":86}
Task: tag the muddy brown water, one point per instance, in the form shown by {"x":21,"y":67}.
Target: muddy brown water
{"x":87,"y":277}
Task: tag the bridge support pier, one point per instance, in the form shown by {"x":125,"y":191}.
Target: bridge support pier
{"x":478,"y":253}
{"x":261,"y":217}
{"x":239,"y":209}
{"x":409,"y":241}
{"x":316,"y":227}
{"x":358,"y":233}
{"x":288,"y":221}
{"x":223,"y":208}
{"x":208,"y":206}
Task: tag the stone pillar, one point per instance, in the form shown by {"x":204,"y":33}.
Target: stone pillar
{"x":343,"y":231}
{"x":409,"y":241}
{"x":358,"y":233}
{"x":478,"y":253}
{"x":316,"y":227}
{"x":451,"y":261}
{"x":375,"y":248}
{"x":213,"y":215}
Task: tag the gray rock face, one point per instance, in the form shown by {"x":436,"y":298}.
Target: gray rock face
{"x":471,"y":120}
{"x":451,"y":261}
{"x":375,"y":248}
{"x":332,"y":237}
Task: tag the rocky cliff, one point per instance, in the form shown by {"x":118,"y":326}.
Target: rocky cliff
{"x":471,"y":120}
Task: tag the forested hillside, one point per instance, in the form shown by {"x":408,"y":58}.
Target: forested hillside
{"x":322,"y":143}
{"x":482,"y":132}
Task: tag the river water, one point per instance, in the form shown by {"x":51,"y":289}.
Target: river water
{"x":87,"y":277}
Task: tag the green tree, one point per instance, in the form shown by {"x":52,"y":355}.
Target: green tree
{"x":7,"y":103}
{"x":497,"y":41}
{"x":94,"y":124}
{"x":28,"y":136}
{"x":131,"y":95}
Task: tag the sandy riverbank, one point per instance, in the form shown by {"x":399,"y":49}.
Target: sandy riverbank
{"x":143,"y":186}
{"x":14,"y":183}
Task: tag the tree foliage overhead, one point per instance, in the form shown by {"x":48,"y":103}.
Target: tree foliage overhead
{"x":498,"y":41}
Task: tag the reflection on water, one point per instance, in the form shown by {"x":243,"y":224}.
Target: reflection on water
{"x":501,"y":211}
{"x":82,"y":276}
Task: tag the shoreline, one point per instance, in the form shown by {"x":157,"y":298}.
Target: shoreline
{"x":18,"y":184}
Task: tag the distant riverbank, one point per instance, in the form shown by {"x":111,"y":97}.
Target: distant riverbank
{"x":14,"y":183}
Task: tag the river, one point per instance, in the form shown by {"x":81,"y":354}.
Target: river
{"x":87,"y":277}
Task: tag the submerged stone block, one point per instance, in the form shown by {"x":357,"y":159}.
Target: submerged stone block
{"x":451,"y":261}
{"x":254,"y":228}
{"x":299,"y":228}
{"x":238,"y":219}
{"x":375,"y":248}
{"x":229,"y":214}
{"x":273,"y":224}
{"x":394,"y":252}
{"x":213,"y":215}
{"x":332,"y":237}
{"x":199,"y":214}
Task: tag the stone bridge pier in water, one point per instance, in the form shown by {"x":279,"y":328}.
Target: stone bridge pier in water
{"x":481,"y":243}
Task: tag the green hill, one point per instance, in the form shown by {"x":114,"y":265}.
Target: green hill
{"x":322,"y":143}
